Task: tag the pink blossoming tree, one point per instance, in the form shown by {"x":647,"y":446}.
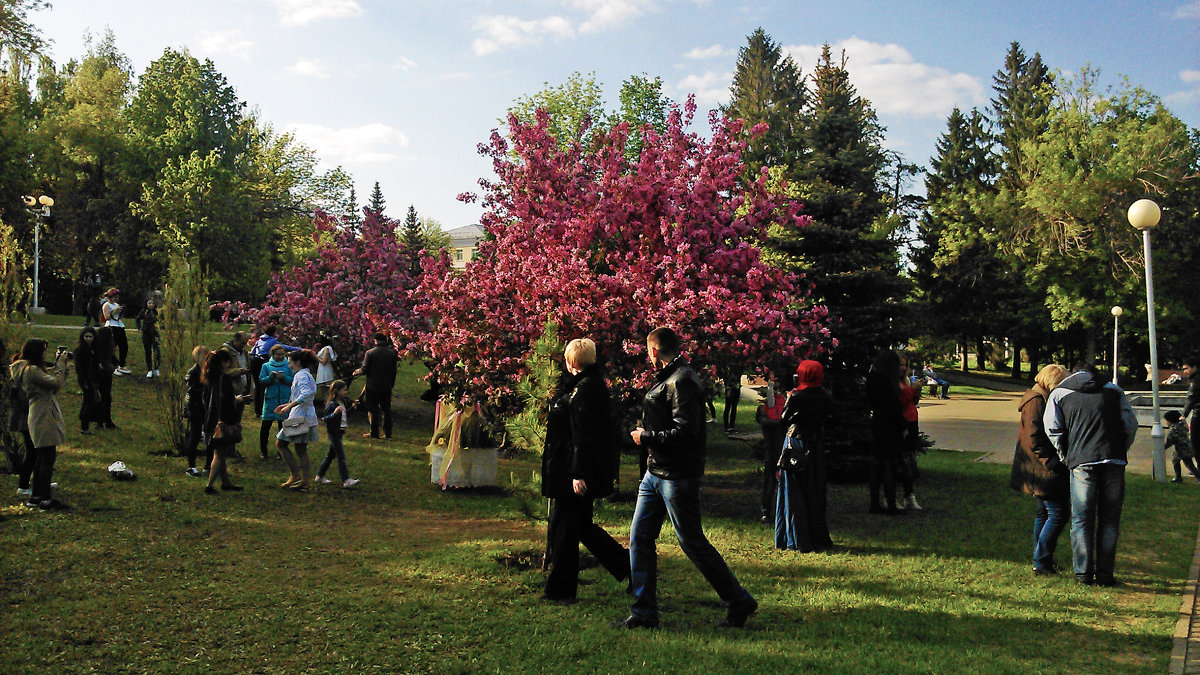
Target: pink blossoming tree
{"x":610,"y":248}
{"x":360,"y":281}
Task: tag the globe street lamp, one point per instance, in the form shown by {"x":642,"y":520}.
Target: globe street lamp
{"x":1144,"y":215}
{"x":1116,"y":312}
{"x":39,"y":214}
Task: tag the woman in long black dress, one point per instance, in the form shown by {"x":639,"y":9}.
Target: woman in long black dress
{"x":106,"y":360}
{"x":578,"y":466}
{"x":888,"y":426}
{"x":800,"y":523}
{"x":88,"y":375}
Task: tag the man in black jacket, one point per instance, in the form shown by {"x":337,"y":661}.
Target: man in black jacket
{"x":1090,"y":423}
{"x":673,"y":431}
{"x":379,"y":365}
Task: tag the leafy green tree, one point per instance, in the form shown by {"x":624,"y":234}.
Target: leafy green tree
{"x":17,"y":143}
{"x":1099,"y":153}
{"x":19,"y":38}
{"x":433,"y":236}
{"x":642,"y":105}
{"x":768,"y":88}
{"x":81,"y":140}
{"x":576,"y":109}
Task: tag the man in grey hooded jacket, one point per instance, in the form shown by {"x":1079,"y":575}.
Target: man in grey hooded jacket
{"x":1091,"y":424}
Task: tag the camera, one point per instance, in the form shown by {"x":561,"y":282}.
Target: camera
{"x":63,"y":349}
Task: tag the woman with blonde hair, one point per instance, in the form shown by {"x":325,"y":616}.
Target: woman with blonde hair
{"x":1037,"y":470}
{"x":579,"y":465}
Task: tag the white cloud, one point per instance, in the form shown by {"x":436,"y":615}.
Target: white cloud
{"x":1188,"y":11}
{"x":304,"y":12}
{"x":1189,"y":96}
{"x":890,"y":78}
{"x":703,"y":53}
{"x":310,"y":68}
{"x":1189,"y":75}
{"x":405,"y":64}
{"x":457,"y":75}
{"x":233,"y":42}
{"x":503,"y":32}
{"x":603,"y":14}
{"x":711,"y":88}
{"x":370,"y":143}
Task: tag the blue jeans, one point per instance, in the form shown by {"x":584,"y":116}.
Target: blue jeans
{"x":679,"y":500}
{"x":335,"y":452}
{"x":1097,"y":494}
{"x":1049,"y":522}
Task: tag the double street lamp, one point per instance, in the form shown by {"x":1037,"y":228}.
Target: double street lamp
{"x":39,"y":213}
{"x":1144,"y":215}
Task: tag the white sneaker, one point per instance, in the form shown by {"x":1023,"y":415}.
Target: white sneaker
{"x":54,"y":486}
{"x":149,"y":373}
{"x":323,"y":480}
{"x":910,"y":503}
{"x":117,"y":372}
{"x":24,"y":492}
{"x":156,"y":372}
{"x":124,"y":370}
{"x":350,"y":482}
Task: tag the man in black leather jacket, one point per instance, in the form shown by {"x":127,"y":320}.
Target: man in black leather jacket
{"x":673,"y":431}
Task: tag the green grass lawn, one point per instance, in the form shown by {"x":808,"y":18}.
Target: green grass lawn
{"x":399,"y":576}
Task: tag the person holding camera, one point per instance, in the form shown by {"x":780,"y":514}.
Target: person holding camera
{"x":275,"y":381}
{"x":41,"y":381}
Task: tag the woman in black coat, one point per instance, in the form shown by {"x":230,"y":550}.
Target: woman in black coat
{"x":887,"y":426}
{"x":106,"y":362}
{"x":221,"y":407}
{"x":800,"y":523}
{"x":88,"y":374}
{"x":579,"y":465}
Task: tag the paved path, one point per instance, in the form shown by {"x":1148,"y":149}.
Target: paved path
{"x":988,"y":424}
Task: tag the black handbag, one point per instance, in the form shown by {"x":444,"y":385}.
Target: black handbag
{"x":795,"y":457}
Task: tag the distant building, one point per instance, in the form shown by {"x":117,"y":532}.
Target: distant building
{"x":463,"y":242}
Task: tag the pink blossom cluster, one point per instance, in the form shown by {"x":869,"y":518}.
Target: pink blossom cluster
{"x":360,"y":281}
{"x":610,"y":249}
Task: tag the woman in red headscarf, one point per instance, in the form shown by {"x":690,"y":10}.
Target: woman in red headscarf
{"x":800,"y":503}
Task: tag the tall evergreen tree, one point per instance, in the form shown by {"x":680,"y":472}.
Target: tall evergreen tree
{"x":377,"y":203}
{"x":767,"y":88}
{"x":412,"y":230}
{"x":353,"y":215}
{"x":849,"y":257}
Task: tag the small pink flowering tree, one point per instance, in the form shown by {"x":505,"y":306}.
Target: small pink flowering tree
{"x":610,"y":248}
{"x":360,"y":281}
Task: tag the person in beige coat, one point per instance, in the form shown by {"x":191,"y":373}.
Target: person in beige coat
{"x":46,"y":425}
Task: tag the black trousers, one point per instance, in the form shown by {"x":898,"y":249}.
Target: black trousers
{"x":378,"y":404}
{"x":150,"y":347}
{"x":121,"y":340}
{"x":773,"y":433}
{"x":43,"y":469}
{"x":256,"y":364}
{"x":195,"y":434}
{"x":571,"y":525}
{"x":25,"y":471}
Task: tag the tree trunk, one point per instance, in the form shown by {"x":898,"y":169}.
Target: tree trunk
{"x":963,"y":354}
{"x":1089,"y":348}
{"x":1016,"y":366}
{"x":980,"y":353}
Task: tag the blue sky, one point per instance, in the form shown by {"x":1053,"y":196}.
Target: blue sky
{"x":402,"y":92}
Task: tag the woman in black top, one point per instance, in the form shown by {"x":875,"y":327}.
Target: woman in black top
{"x":105,"y":352}
{"x":578,"y":466}
{"x":888,"y":427}
{"x":147,"y":322}
{"x":87,"y":373}
{"x":222,"y":406}
{"x":195,"y":410}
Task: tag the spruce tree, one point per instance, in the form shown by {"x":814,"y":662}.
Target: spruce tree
{"x":767,"y":88}
{"x":412,"y":238}
{"x":353,"y":216}
{"x":377,"y":202}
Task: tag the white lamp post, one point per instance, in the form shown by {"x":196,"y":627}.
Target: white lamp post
{"x":1116,"y":312}
{"x":1144,"y":215}
{"x":38,"y":214}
